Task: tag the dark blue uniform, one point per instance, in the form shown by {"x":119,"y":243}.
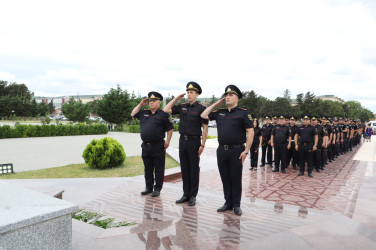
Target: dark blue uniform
{"x":281,"y":135}
{"x":341,"y":127}
{"x":153,"y":131}
{"x":306,"y":140}
{"x":266,"y":135}
{"x":292,"y":153}
{"x":318,"y":155}
{"x":189,"y":144}
{"x":231,"y":126}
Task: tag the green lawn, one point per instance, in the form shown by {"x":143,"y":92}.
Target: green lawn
{"x":132,"y":166}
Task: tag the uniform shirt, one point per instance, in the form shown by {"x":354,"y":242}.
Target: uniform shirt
{"x":232,"y":125}
{"x":257,"y":134}
{"x":281,"y":133}
{"x":294,"y":129}
{"x":328,"y":129}
{"x":190,"y":119}
{"x":267,"y":131}
{"x":334,"y":131}
{"x":153,"y":126}
{"x":321,"y":132}
{"x":307,"y":134}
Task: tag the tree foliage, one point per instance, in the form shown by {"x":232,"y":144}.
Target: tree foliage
{"x":75,"y":110}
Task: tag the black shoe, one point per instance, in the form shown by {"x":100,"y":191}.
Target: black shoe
{"x":326,"y":163}
{"x":301,"y":173}
{"x":182,"y":199}
{"x":283,"y":171}
{"x":310,"y":174}
{"x":192,"y":201}
{"x":155,"y":193}
{"x":322,"y":168}
{"x":237,"y":211}
{"x":251,"y":168}
{"x":294,"y":167}
{"x":317,"y":170}
{"x":275,"y":170}
{"x":146,"y":191}
{"x":268,"y":163}
{"x":255,"y":168}
{"x":262,"y":165}
{"x":224,"y":208}
{"x":330,"y":160}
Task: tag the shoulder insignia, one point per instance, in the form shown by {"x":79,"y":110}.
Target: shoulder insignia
{"x":250,"y":117}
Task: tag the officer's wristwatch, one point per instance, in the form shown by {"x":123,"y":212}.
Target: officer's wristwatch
{"x":246,"y":153}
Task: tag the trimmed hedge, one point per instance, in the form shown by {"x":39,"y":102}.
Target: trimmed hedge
{"x":104,"y":153}
{"x":22,"y":131}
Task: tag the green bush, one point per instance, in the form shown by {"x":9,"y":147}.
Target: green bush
{"x":134,"y":128}
{"x":104,"y":153}
{"x":176,"y":127}
{"x":22,"y":130}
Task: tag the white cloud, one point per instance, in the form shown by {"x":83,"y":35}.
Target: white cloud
{"x":326,"y":47}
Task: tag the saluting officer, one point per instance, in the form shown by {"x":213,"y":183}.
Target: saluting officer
{"x":190,"y":144}
{"x":306,"y":140}
{"x":292,"y":153}
{"x":281,"y":142}
{"x":232,"y":124}
{"x":265,"y":145}
{"x":154,"y":124}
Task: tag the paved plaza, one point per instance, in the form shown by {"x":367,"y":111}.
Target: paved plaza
{"x":333,"y":210}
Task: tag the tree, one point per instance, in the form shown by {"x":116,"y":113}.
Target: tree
{"x":212,"y":100}
{"x":42,"y":109}
{"x":115,"y":107}
{"x":287,"y":94}
{"x":75,"y":111}
{"x":51,"y":106}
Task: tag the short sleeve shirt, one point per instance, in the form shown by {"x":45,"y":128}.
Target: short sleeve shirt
{"x":307,"y":134}
{"x":153,"y":126}
{"x":267,"y":131}
{"x":232,"y":125}
{"x":281,"y":133}
{"x":190,"y":118}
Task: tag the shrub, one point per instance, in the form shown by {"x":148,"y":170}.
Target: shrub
{"x":134,"y":128}
{"x":176,"y":127}
{"x":104,"y":153}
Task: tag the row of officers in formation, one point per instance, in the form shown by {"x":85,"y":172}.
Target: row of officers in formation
{"x":313,"y":142}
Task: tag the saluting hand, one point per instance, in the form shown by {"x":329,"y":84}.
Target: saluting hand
{"x":243,"y":156}
{"x":144,"y":102}
{"x":219,"y":103}
{"x":180,"y":96}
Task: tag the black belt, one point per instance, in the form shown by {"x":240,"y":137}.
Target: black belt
{"x":187,"y":137}
{"x":152,"y":143}
{"x":226,"y":147}
{"x":306,"y":143}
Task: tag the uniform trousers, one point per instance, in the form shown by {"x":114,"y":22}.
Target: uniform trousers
{"x":269,"y":155}
{"x":305,"y":155}
{"x":153,"y":156}
{"x":292,"y":155}
{"x":254,"y":153}
{"x":189,"y":164}
{"x":230,"y":168}
{"x":280,"y":155}
{"x":317,"y":158}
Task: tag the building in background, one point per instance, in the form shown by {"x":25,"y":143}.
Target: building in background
{"x":60,"y":100}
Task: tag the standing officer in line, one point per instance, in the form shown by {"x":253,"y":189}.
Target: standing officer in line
{"x":154,"y":124}
{"x":320,"y":131}
{"x":266,"y":135}
{"x":326,"y":150}
{"x":257,"y":139}
{"x":275,"y":120}
{"x":233,"y":124}
{"x":333,"y":141}
{"x":306,"y":140}
{"x":281,"y":142}
{"x":343,"y":133}
{"x":292,"y":153}
{"x":190,"y":144}
{"x":338,"y":136}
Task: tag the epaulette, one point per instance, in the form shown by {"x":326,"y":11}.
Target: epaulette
{"x":242,"y":108}
{"x":201,"y":104}
{"x":146,"y":109}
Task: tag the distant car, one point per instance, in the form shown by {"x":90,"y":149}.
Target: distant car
{"x":373,"y":126}
{"x":212,"y":124}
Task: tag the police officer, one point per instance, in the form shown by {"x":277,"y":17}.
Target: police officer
{"x":321,"y":132}
{"x":326,"y":150}
{"x":281,"y":142}
{"x":343,"y":134}
{"x":154,"y":124}
{"x":338,"y":136}
{"x":266,"y":132}
{"x":306,"y":140}
{"x":332,"y":141}
{"x":292,"y":153}
{"x":257,"y":140}
{"x":190,"y":144}
{"x":233,"y":124}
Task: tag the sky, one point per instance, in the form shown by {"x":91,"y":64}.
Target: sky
{"x":59,"y":48}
